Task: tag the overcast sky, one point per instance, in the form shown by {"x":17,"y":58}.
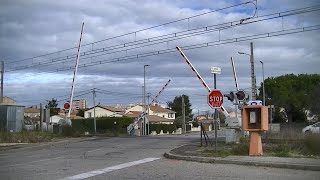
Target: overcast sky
{"x":32,"y":28}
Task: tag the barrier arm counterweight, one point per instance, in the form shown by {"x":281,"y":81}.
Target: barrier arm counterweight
{"x":224,"y":111}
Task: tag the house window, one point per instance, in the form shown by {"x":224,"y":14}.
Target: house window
{"x":89,"y":115}
{"x":170,"y":115}
{"x":162,"y":115}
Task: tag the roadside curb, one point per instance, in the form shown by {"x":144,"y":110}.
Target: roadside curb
{"x":20,"y":146}
{"x":238,"y":162}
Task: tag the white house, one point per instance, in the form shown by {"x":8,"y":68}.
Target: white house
{"x":103,"y":111}
{"x":153,"y":119}
{"x":31,"y":112}
{"x":56,"y":118}
{"x":162,"y":112}
{"x":154,"y":110}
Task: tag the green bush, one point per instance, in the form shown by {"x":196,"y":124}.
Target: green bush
{"x":67,"y":130}
{"x":103,"y":124}
{"x":282,"y":150}
{"x":25,"y":137}
{"x":240,"y":149}
{"x":312,"y":143}
{"x":195,"y":124}
{"x":165,"y":127}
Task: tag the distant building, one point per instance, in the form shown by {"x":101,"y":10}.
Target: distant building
{"x":79,"y":104}
{"x":104,"y":111}
{"x":8,"y":101}
{"x":153,"y":110}
{"x":31,"y":112}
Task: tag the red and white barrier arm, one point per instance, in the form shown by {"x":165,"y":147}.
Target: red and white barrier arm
{"x":75,"y":72}
{"x":199,"y":77}
{"x":234,"y":74}
{"x":160,"y":92}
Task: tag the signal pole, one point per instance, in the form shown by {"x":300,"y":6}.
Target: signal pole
{"x":184,"y":116}
{"x":215,"y":71}
{"x":2,"y":71}
{"x":94,"y":110}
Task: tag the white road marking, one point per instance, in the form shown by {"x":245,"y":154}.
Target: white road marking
{"x":95,"y":150}
{"x":109,"y":169}
{"x":32,"y":162}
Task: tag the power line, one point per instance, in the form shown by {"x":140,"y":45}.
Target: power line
{"x":266,"y":17}
{"x":152,"y":27}
{"x":165,"y":38}
{"x":201,"y":45}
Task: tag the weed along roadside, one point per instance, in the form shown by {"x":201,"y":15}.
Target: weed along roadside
{"x":79,"y":128}
{"x":304,"y":154}
{"x":308,"y":148}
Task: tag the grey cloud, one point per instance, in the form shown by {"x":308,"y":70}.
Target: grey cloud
{"x":30,"y":28}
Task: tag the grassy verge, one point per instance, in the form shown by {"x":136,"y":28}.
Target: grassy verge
{"x":26,"y":137}
{"x":307,"y":147}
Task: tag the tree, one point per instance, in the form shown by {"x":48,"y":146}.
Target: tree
{"x":176,"y":105}
{"x":294,"y":93}
{"x":80,"y":113}
{"x":53,"y":106}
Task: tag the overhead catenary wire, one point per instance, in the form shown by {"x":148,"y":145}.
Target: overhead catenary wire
{"x":141,"y":30}
{"x":165,"y":38}
{"x":195,"y":46}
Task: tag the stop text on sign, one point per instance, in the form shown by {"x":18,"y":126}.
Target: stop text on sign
{"x":215,"y":98}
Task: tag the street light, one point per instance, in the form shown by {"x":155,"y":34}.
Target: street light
{"x":144,"y":99}
{"x":244,"y":53}
{"x":263,"y":90}
{"x":253,"y":79}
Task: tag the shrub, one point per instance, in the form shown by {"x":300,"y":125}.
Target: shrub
{"x":103,"y":124}
{"x":67,"y":130}
{"x":282,"y":150}
{"x":312,"y":142}
{"x":240,"y":149}
{"x":165,"y":127}
{"x":195,"y":124}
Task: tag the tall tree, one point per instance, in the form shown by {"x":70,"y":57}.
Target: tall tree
{"x":80,"y":113}
{"x":53,"y":106}
{"x":296,"y":94}
{"x":176,"y":105}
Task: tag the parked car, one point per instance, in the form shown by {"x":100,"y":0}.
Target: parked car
{"x":312,"y":129}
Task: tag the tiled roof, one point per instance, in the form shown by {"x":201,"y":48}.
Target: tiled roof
{"x":113,"y":109}
{"x":158,"y":109}
{"x":131,"y":115}
{"x":110,"y":108}
{"x":31,"y":110}
{"x":154,"y":118}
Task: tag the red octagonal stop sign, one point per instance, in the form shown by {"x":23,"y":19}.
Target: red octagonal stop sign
{"x":215,"y":99}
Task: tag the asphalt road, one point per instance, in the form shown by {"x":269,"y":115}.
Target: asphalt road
{"x":126,"y":158}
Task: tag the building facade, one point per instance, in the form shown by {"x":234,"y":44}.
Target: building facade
{"x":79,"y":104}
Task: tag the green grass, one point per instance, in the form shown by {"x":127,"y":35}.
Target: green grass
{"x":26,"y":137}
{"x":308,"y":147}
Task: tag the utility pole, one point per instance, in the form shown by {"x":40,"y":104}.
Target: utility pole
{"x":2,"y":71}
{"x":94,"y":110}
{"x":144,"y":100}
{"x":253,"y":79}
{"x":183,"y":116}
{"x":41,"y":114}
{"x":215,"y":116}
{"x":148,"y":106}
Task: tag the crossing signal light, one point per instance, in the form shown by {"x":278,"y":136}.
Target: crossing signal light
{"x":241,"y":95}
{"x":230,"y":96}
